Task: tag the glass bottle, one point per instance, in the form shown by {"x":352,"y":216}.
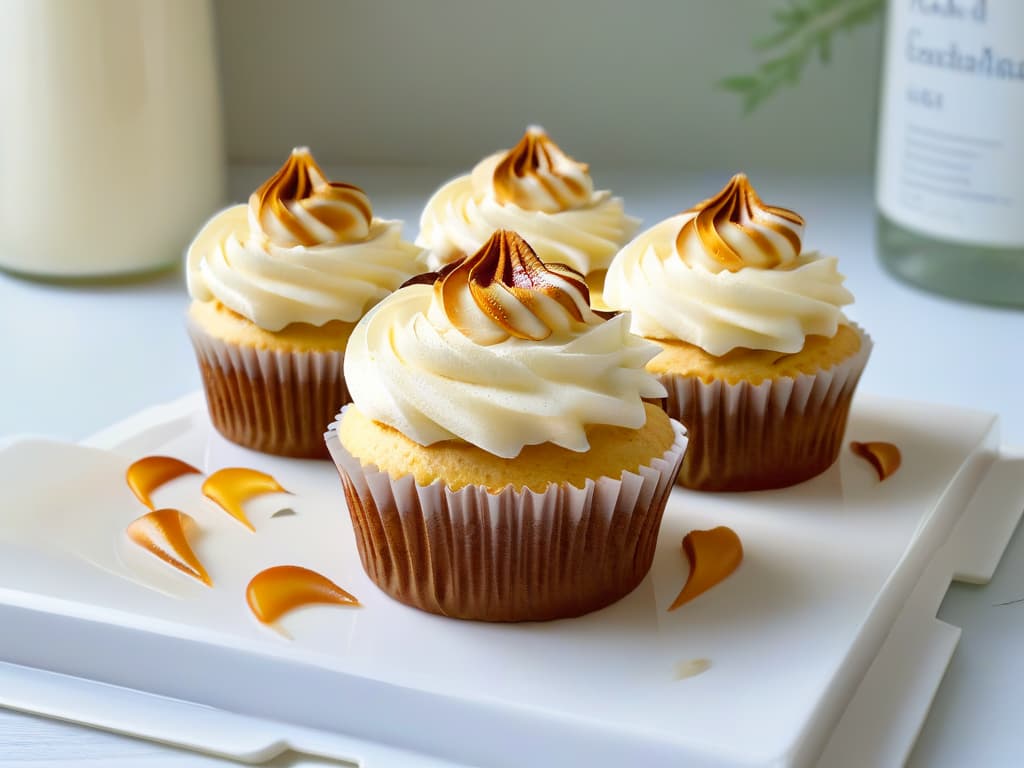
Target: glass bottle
{"x":950,"y":175}
{"x":111,"y":153}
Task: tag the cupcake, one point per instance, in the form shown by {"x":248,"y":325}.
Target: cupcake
{"x":277,"y":287}
{"x":758,"y":359}
{"x":498,"y":460}
{"x":540,"y":192}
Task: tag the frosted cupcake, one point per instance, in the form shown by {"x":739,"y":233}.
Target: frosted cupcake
{"x":758,"y":359}
{"x":498,"y":460}
{"x":540,"y":192}
{"x":277,"y":287}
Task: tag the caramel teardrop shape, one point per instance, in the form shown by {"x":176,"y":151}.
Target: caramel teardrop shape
{"x":884,"y":457}
{"x":162,"y":533}
{"x":150,"y":472}
{"x":713,"y":556}
{"x":230,"y":488}
{"x":691,"y":668}
{"x":275,"y":591}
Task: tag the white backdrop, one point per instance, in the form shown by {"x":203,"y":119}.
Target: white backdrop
{"x":618,"y":84}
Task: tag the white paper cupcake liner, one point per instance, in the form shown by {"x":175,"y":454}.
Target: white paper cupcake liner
{"x":745,"y":437}
{"x":273,"y":401}
{"x":512,"y":555}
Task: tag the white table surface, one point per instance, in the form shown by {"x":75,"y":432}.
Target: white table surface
{"x":77,"y":358}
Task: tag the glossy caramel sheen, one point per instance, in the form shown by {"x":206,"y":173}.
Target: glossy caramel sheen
{"x":536,"y":161}
{"x":150,"y":472}
{"x":884,"y":457}
{"x":738,"y":204}
{"x":275,"y":591}
{"x":713,"y":556}
{"x":511,"y":287}
{"x":299,"y":206}
{"x":162,"y":533}
{"x":230,"y":488}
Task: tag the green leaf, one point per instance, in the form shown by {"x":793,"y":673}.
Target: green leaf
{"x":825,"y":50}
{"x":803,"y":28}
{"x":739,"y":83}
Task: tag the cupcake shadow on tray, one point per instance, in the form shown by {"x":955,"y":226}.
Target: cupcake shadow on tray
{"x":506,"y":451}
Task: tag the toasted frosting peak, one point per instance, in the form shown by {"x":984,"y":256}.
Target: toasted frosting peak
{"x":538,"y":176}
{"x":536,"y":190}
{"x":505,"y":290}
{"x":304,"y":250}
{"x":728,"y":273}
{"x":299,"y":206}
{"x":734,"y":229}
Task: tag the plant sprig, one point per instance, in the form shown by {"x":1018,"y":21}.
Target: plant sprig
{"x":803,"y":28}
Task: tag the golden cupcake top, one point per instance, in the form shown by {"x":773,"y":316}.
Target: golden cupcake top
{"x":303,"y":250}
{"x":730,"y":272}
{"x":737,"y":230}
{"x":505,"y":290}
{"x":536,"y":189}
{"x":538,"y":176}
{"x":299,"y":206}
{"x":501,"y":351}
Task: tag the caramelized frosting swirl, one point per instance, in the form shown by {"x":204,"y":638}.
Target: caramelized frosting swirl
{"x":304,"y":250}
{"x":538,"y":176}
{"x":734,"y":229}
{"x":502,"y":351}
{"x":505,"y":290}
{"x":534,"y":189}
{"x":299,"y":206}
{"x":728,"y":273}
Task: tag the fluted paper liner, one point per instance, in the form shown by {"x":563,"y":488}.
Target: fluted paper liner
{"x":745,"y":437}
{"x":512,"y":555}
{"x":273,"y":401}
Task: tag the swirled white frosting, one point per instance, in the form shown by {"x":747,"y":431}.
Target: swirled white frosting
{"x":534,"y":189}
{"x":678,"y":288}
{"x":303,"y":251}
{"x":415,"y":364}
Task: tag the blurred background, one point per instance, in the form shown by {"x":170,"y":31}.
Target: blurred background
{"x":134,"y":120}
{"x":630,"y":85}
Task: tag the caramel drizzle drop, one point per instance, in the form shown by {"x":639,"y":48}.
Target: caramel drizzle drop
{"x":713,"y":556}
{"x":299,"y":206}
{"x":537,"y":158}
{"x":512,"y":287}
{"x":230,"y":488}
{"x":884,"y":457}
{"x":162,"y":533}
{"x":739,"y":205}
{"x":692,"y":668}
{"x":275,"y":591}
{"x":150,"y":472}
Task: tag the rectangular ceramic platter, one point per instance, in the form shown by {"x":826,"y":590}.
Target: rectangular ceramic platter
{"x":828,"y":565}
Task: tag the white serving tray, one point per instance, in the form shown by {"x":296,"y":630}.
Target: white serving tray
{"x":832,"y":611}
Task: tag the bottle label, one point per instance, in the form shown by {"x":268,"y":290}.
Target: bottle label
{"x":951,"y":125}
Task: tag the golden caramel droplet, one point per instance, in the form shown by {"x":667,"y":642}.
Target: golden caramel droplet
{"x":230,"y":488}
{"x":537,"y":175}
{"x":713,"y":556}
{"x":299,"y":206}
{"x":276,"y":591}
{"x":884,"y":457}
{"x":150,"y":472}
{"x":735,"y":229}
{"x":504,"y":289}
{"x":691,"y":668}
{"x":162,"y":533}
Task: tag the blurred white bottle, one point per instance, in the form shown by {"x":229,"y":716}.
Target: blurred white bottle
{"x":950,"y":147}
{"x":111,"y":148}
